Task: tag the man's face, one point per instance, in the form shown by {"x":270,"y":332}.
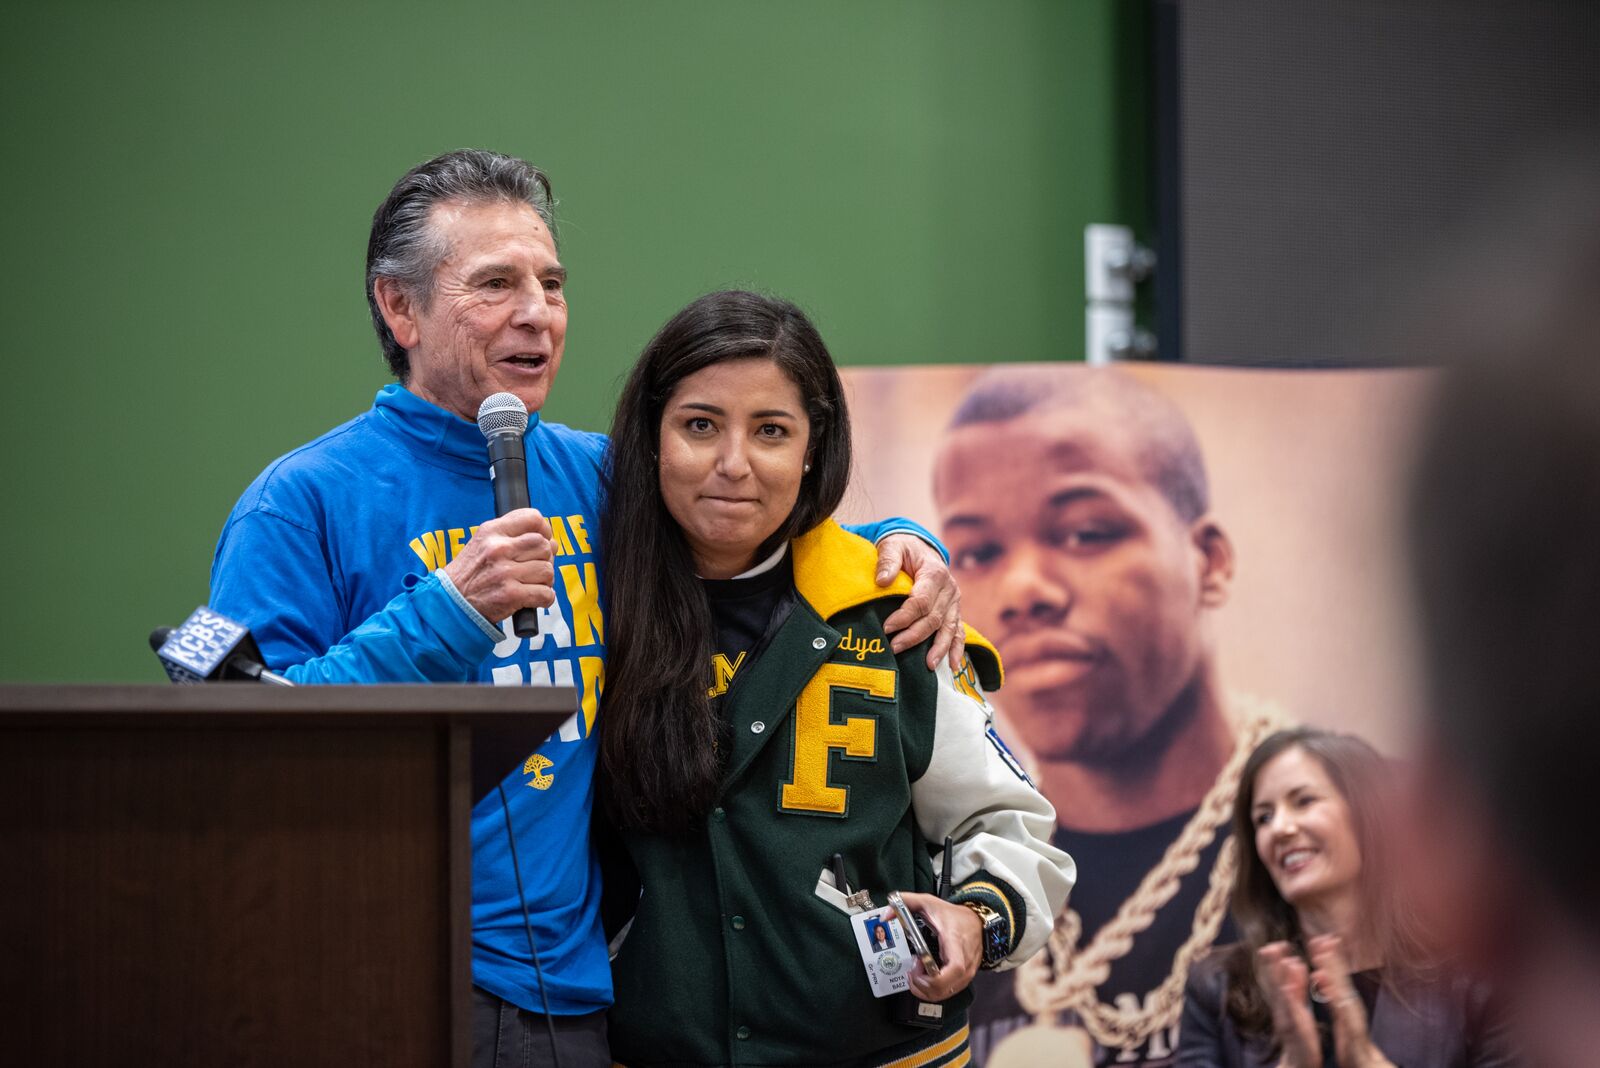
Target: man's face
{"x":497,"y":318}
{"x":1082,"y":574}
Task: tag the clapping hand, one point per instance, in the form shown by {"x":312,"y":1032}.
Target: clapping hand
{"x":1283,"y":978}
{"x":1287,"y":981}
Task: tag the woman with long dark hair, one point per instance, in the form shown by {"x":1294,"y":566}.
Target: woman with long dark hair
{"x":1332,"y":967}
{"x":763,"y":743}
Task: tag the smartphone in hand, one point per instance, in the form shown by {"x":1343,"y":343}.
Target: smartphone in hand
{"x":920,"y":937}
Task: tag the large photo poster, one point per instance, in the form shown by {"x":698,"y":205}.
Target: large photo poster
{"x":1172,"y":561}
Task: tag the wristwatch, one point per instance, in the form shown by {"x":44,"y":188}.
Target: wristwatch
{"x":996,"y":938}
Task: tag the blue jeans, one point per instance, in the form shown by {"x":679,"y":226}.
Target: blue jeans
{"x":505,"y":1036}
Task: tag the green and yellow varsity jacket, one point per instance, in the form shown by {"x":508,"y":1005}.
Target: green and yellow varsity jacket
{"x":741,"y":950}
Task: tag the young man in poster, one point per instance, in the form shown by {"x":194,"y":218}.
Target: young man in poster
{"x":1075,"y":505}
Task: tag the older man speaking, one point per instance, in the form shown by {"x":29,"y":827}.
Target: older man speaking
{"x":372,"y":554}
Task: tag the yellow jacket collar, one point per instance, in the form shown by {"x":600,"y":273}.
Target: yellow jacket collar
{"x":835,"y":570}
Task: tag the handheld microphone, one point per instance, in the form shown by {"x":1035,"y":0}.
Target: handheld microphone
{"x":504,"y":419}
{"x":208,"y":647}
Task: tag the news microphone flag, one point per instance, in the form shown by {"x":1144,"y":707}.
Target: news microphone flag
{"x":209,"y":646}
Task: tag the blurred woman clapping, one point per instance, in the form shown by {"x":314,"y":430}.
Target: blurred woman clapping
{"x":1332,"y":969}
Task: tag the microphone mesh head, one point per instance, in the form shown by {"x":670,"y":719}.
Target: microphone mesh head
{"x":502,"y":413}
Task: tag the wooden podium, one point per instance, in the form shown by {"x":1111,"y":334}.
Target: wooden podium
{"x":240,"y":874}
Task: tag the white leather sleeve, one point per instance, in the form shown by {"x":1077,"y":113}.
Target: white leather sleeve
{"x":975,"y":792}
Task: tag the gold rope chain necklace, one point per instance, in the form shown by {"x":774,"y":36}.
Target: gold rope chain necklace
{"x":1067,"y":978}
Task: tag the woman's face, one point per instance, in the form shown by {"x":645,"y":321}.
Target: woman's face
{"x":734,"y":440}
{"x":1305,"y":835}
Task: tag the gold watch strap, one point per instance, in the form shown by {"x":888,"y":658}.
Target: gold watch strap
{"x":986,"y":915}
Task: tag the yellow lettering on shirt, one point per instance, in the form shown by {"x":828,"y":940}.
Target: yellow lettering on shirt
{"x":594,"y":681}
{"x":458,"y":541}
{"x":430,"y":546}
{"x":816,"y":736}
{"x":584,"y":596}
{"x":578,"y":533}
{"x":559,"y":530}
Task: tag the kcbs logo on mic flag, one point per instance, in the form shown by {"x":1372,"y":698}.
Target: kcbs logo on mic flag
{"x":195,"y":650}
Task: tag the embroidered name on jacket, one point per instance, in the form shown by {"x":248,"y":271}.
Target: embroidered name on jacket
{"x":860,"y":646}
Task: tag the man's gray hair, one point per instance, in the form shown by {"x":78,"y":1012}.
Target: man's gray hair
{"x":404,"y":247}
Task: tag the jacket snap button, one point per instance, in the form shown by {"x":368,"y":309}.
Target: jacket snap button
{"x":738,"y":923}
{"x":718,"y":814}
{"x":757,"y":727}
{"x":742,"y":1033}
{"x":819,"y":643}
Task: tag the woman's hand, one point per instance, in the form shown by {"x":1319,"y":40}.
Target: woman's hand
{"x":1283,"y":977}
{"x":960,"y":945}
{"x":1287,"y":983}
{"x":1352,"y":1042}
{"x":934,"y":607}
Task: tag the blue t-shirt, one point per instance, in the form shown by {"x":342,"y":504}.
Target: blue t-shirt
{"x":327,"y":559}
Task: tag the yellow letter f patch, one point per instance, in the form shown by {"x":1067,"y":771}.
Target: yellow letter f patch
{"x":816,"y":737}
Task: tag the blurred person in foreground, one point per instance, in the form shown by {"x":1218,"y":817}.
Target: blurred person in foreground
{"x":1333,"y":966}
{"x":758,"y":724}
{"x":1505,"y":547}
{"x":1077,"y":509}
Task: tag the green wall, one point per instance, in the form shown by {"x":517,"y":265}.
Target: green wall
{"x":188,"y":190}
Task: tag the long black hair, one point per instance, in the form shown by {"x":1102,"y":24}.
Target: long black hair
{"x":658,"y":740}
